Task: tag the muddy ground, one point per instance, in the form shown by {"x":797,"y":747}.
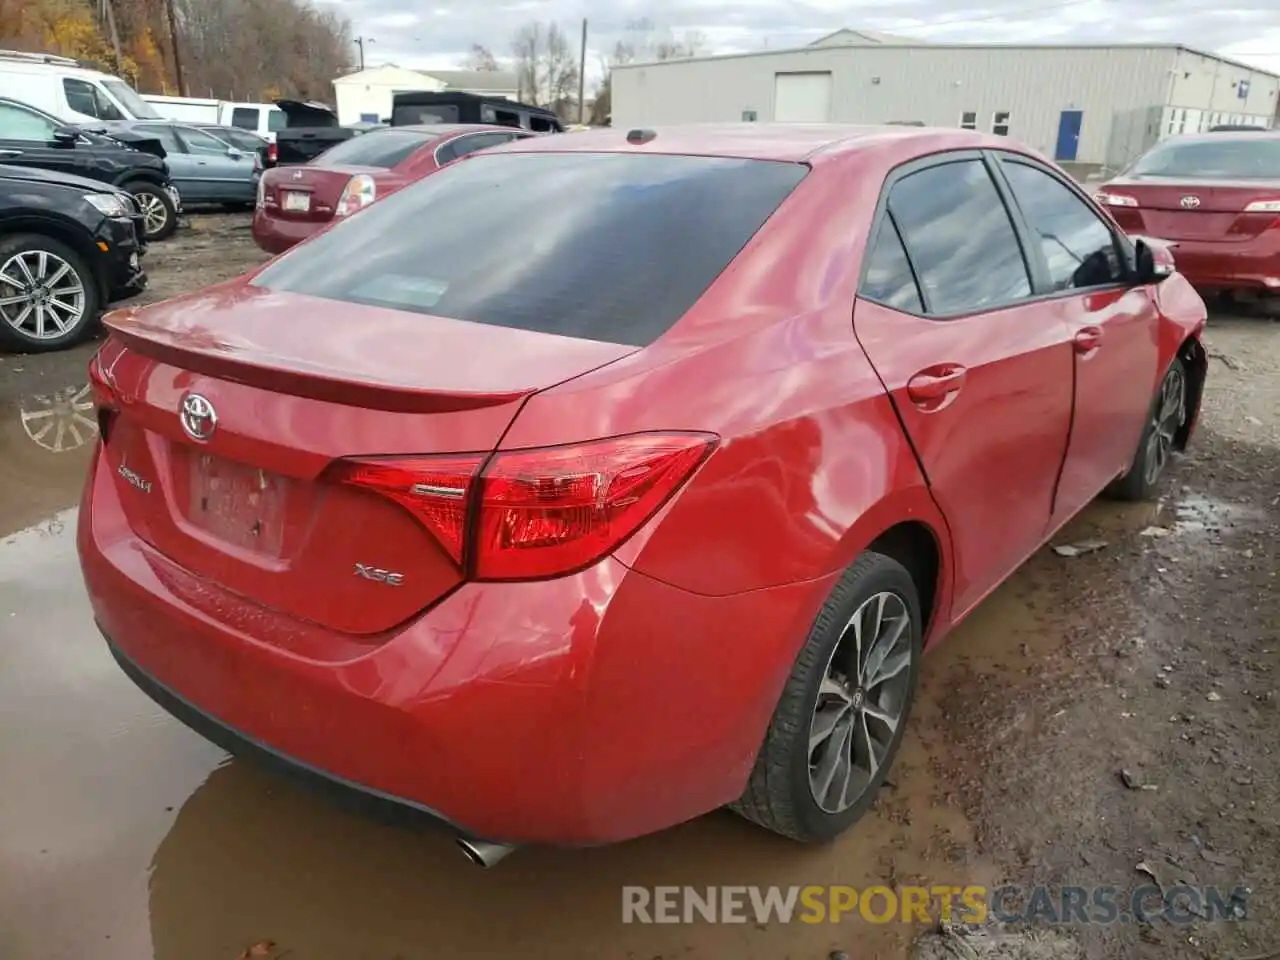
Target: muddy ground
{"x":123,"y":836}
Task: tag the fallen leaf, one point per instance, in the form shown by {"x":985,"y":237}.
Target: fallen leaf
{"x":258,"y":950}
{"x":1213,"y":695}
{"x":1155,"y":532}
{"x":1079,"y":549}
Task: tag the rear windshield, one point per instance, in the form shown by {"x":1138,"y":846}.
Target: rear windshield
{"x":377,"y":148}
{"x":1245,"y":158}
{"x":408,"y":115}
{"x":609,"y":247}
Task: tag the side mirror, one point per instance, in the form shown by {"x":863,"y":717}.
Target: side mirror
{"x":235,"y":153}
{"x":1144,"y":264}
{"x":66,"y":137}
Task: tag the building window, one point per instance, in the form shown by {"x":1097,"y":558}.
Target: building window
{"x":969,"y":120}
{"x":1000,"y":123}
{"x":748,"y":116}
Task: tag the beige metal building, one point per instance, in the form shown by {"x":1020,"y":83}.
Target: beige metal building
{"x":1089,"y":105}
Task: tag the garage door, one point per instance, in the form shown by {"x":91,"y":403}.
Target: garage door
{"x":802,"y":98}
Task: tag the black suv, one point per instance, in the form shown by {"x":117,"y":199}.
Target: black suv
{"x":32,"y":138}
{"x":68,"y":247}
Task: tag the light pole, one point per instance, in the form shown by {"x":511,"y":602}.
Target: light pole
{"x":360,"y":42}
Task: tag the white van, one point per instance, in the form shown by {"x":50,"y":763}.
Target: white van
{"x":264,"y":119}
{"x":60,"y":86}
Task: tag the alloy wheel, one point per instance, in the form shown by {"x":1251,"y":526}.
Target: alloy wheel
{"x":41,"y":295}
{"x":61,"y":422}
{"x":861,"y":702}
{"x":1165,"y":421}
{"x":154,"y":214}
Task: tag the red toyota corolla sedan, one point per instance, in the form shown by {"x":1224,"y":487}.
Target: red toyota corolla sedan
{"x":296,"y":201}
{"x":600,"y":481}
{"x":1218,"y":196}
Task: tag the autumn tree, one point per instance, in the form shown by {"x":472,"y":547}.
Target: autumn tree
{"x":546,"y":64}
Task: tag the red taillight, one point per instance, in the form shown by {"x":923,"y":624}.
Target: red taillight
{"x":273,"y":153}
{"x":434,"y":490}
{"x":555,"y":510}
{"x":542,"y":512}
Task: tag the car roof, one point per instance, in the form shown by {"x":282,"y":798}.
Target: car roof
{"x":448,"y":129}
{"x":794,"y":142}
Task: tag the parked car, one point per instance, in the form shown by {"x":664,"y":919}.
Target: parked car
{"x":63,"y":88}
{"x":68,"y":247}
{"x":595,"y":482}
{"x":295,"y":202}
{"x":31,"y":137}
{"x":204,"y":168}
{"x":1218,"y":197}
{"x":417,"y":107}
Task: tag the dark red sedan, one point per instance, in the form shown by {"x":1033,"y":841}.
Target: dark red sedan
{"x":600,"y":481}
{"x":296,"y":201}
{"x":1218,"y":196}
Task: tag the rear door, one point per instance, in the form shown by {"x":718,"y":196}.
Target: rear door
{"x":227,"y":170}
{"x":1114,"y":327}
{"x":978,"y":370}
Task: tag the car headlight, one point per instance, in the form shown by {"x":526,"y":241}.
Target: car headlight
{"x":108,"y":204}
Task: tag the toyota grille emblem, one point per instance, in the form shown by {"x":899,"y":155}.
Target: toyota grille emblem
{"x":1191,"y":202}
{"x":198,"y":417}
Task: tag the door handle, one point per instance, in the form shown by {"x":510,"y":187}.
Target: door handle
{"x":935,"y":387}
{"x":1087,"y":339}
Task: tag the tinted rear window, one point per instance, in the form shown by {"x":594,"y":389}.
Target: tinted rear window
{"x":1225,"y":157}
{"x":609,"y":247}
{"x":407,"y":116}
{"x":377,"y":148}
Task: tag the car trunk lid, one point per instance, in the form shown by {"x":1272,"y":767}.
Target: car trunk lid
{"x":1204,"y":210}
{"x":291,"y":388}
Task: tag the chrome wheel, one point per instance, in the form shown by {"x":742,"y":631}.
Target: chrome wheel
{"x":861,"y":702}
{"x":155,"y":215}
{"x":41,"y":295}
{"x":1165,"y":421}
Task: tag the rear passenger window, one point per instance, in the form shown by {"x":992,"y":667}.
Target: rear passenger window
{"x":1078,"y":247}
{"x":960,"y":238}
{"x":888,"y":278}
{"x":246,"y":118}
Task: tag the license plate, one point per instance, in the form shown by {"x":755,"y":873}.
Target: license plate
{"x":297,"y":202}
{"x":241,"y":505}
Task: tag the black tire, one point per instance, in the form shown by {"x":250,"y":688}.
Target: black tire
{"x":146,"y":192}
{"x":1142,"y":480}
{"x":24,"y":338}
{"x":778,"y":795}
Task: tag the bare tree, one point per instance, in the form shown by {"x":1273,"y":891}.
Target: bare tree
{"x":671,"y":47}
{"x":481,"y":58}
{"x":602,"y":108}
{"x":546,"y":64}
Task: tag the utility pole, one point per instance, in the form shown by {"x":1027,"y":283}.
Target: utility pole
{"x":360,"y":42}
{"x":177,"y":57}
{"x":109,"y":14}
{"x":582,"y":76}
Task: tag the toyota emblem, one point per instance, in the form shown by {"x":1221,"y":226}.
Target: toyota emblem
{"x":1190,"y":203}
{"x":297,"y":175}
{"x":198,"y":417}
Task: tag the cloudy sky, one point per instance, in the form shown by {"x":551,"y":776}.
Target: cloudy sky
{"x":438,"y":33}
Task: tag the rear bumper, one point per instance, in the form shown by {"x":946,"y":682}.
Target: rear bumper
{"x":275,"y":234}
{"x":1251,"y":264}
{"x":583,"y":710}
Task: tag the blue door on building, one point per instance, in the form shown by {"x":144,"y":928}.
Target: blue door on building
{"x":1068,"y":135}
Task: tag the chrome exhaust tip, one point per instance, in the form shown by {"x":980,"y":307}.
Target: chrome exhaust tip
{"x":483,"y":853}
